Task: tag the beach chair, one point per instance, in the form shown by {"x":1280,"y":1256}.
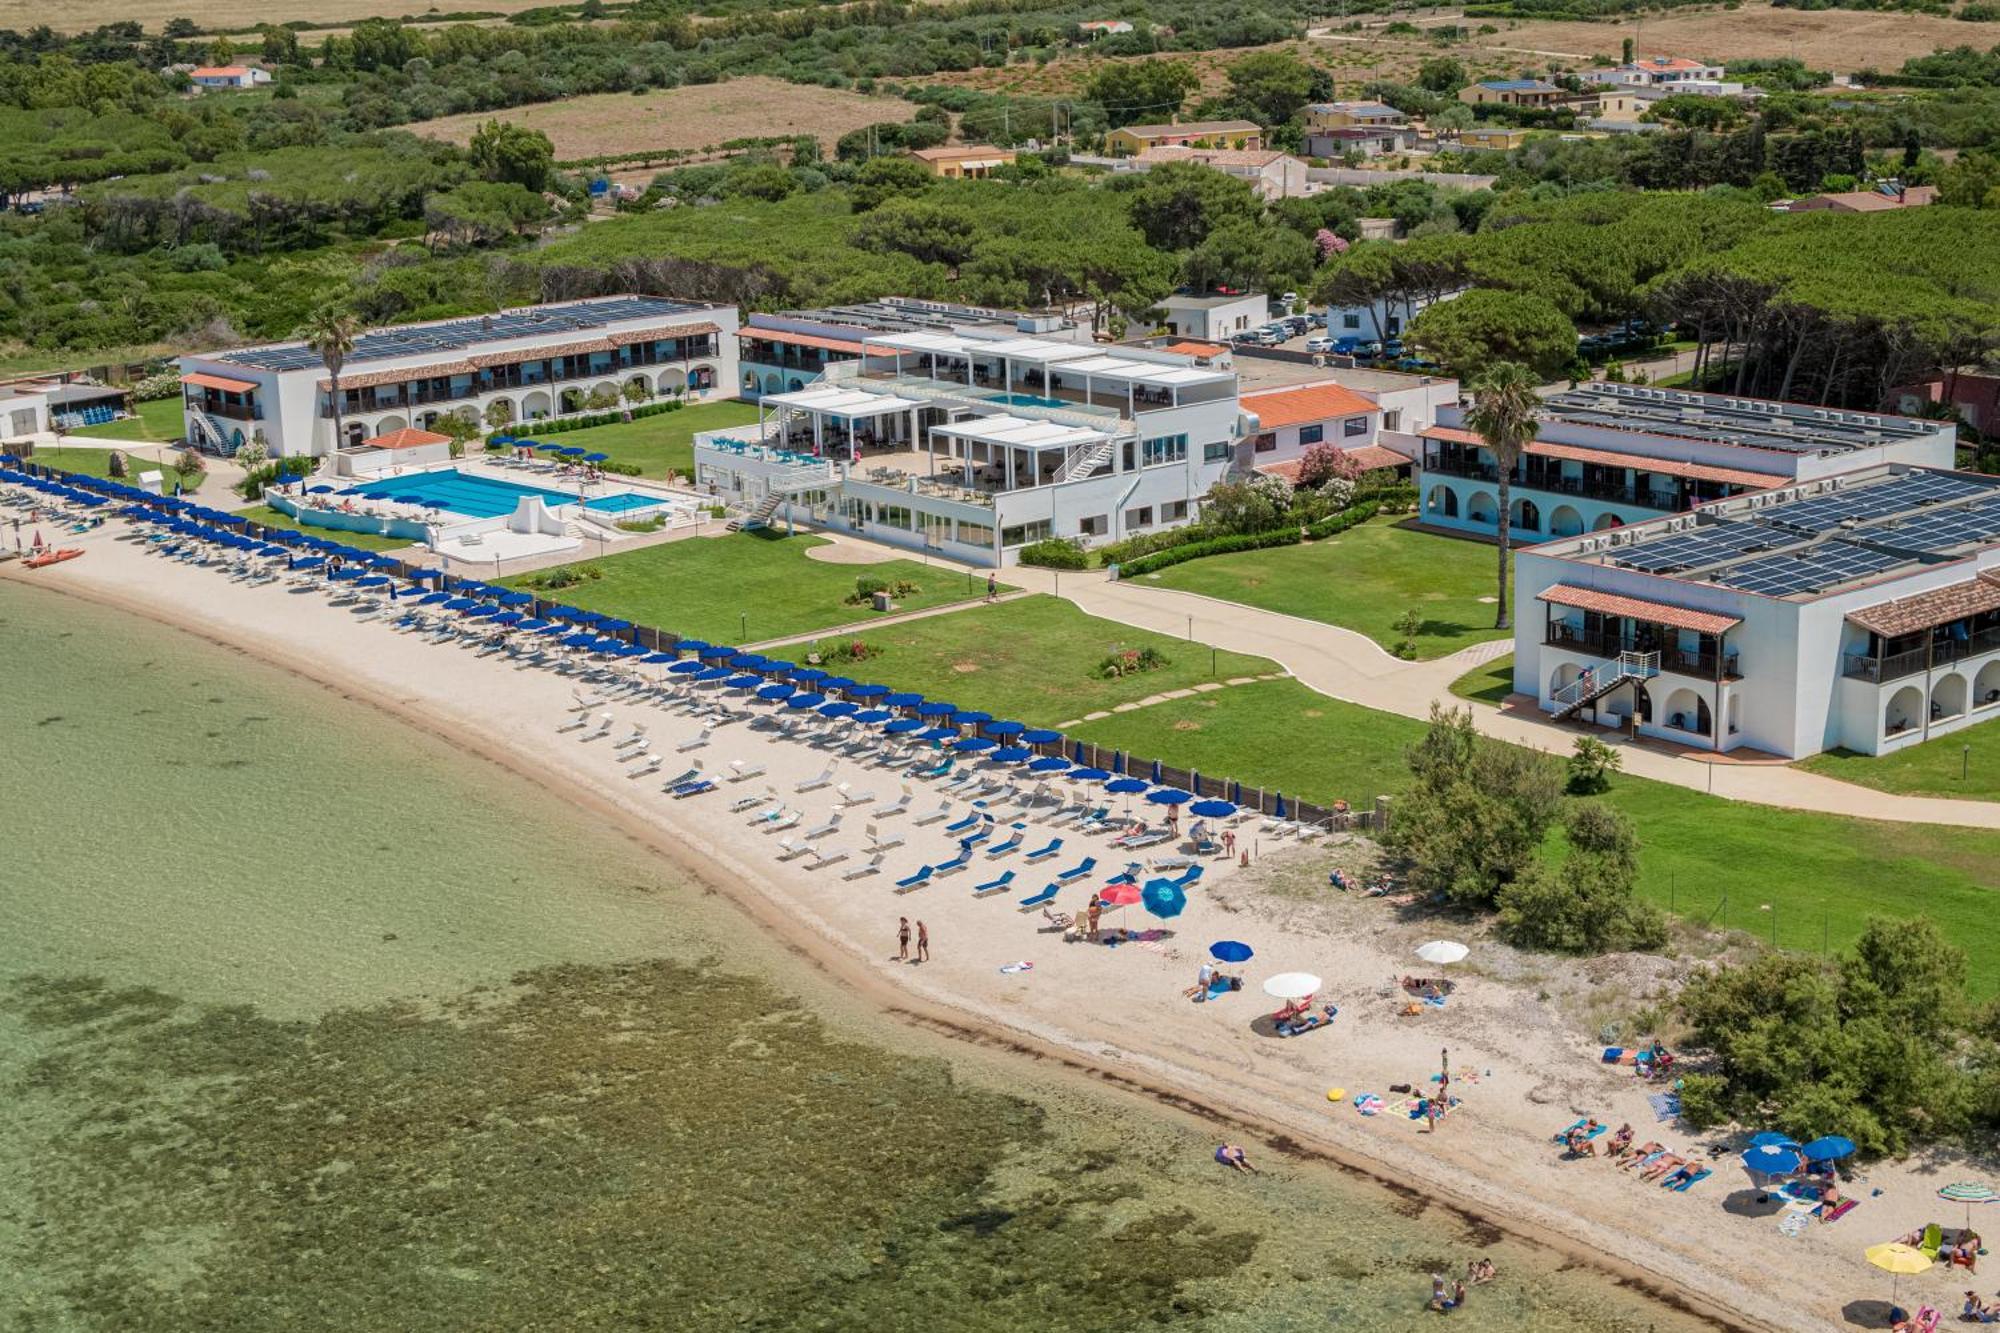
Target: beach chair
{"x":1007,"y":848}
{"x":602,"y":730}
{"x":1095,"y":820}
{"x":850,"y":797}
{"x":786,"y":818}
{"x":1187,"y":877}
{"x":577,"y":723}
{"x":743,"y":772}
{"x":943,"y":811}
{"x":901,"y":805}
{"x":635,"y":752}
{"x":1933,"y":1241}
{"x":1077,"y":871}
{"x":993,"y":886}
{"x":1039,"y":899}
{"x":695,"y":742}
{"x":792,"y":848}
{"x":637,"y":737}
{"x":820,"y":830}
{"x":1159,"y":863}
{"x":916,"y":881}
{"x":825,"y":779}
{"x":1150,"y":838}
{"x":962,"y":782}
{"x":743,"y":803}
{"x":937,"y":770}
{"x":977,"y":836}
{"x":956,"y":864}
{"x":699,"y":787}
{"x":876,"y":842}
{"x":1043,"y":853}
{"x":653,"y":763}
{"x":965,"y":825}
{"x":821,"y":860}
{"x":872,"y":866}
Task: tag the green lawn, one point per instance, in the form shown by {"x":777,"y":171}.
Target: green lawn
{"x":97,"y":463}
{"x":746,"y":587}
{"x":1929,"y":769}
{"x":271,"y":518}
{"x":1362,"y":580}
{"x":158,"y":422}
{"x":1489,"y":684}
{"x":1035,"y":659}
{"x":657,"y":444}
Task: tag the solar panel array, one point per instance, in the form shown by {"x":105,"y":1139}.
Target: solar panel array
{"x":1704,"y":545}
{"x":1709,"y":418}
{"x":1863,"y":504}
{"x":1944,"y":529}
{"x":419,"y":339}
{"x":1817,"y":567}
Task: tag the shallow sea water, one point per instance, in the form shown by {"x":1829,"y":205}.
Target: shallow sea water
{"x":309,"y":1021}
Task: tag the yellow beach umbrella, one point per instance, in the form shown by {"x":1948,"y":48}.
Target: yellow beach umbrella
{"x":1897,"y":1258}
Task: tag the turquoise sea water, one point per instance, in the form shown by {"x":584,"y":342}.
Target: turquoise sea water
{"x":308,"y":1021}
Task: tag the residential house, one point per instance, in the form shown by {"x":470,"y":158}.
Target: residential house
{"x":1281,"y":424}
{"x":1134,"y":139}
{"x":1214,"y":316}
{"x":535,"y":361}
{"x":1670,"y":72}
{"x":1974,"y":394}
{"x":1274,"y":175}
{"x":974,"y":445}
{"x":1606,"y":456}
{"x":1361,"y":140}
{"x":1858,"y":609}
{"x":1494,"y":138}
{"x":1884,"y":198}
{"x":1095,"y":28}
{"x":1512,"y":92}
{"x":786,"y":352}
{"x":964,"y":161}
{"x":228,"y":76}
{"x":44,"y":403}
{"x":1344,"y":115}
{"x":1378,"y":320}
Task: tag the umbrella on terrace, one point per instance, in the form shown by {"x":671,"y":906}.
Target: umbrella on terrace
{"x":745,"y":681}
{"x":975,"y":743}
{"x":1040,"y":736}
{"x":1088,"y":775}
{"x":1126,"y":786}
{"x":1049,"y":763}
{"x":906,"y":700}
{"x":1011,"y":754}
{"x":968,"y":718}
{"x":873,"y":715}
{"x":1004,"y":728}
{"x":805,"y":699}
{"x":937,"y":733}
{"x":774,"y":692}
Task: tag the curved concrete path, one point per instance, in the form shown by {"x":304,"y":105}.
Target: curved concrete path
{"x":1350,"y":666}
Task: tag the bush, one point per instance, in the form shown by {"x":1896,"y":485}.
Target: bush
{"x":1055,"y":553}
{"x":1341,"y":522}
{"x":1475,"y":817}
{"x":1587,"y":904}
{"x":563,"y":576}
{"x":166,"y":384}
{"x":1178,"y":555}
{"x":115,"y":466}
{"x":1131,"y":662}
{"x":1145,"y":543}
{"x":1591,"y":764}
{"x":558,"y":425}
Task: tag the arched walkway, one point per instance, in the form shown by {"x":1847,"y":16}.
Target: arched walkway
{"x":1687,"y":711}
{"x":1902,"y":711}
{"x":1561,"y":678}
{"x":642,"y":384}
{"x":774,"y":382}
{"x":1986,"y":689}
{"x":506,"y":403}
{"x":1565,"y":522}
{"x":672,"y":381}
{"x":1607,"y":521}
{"x":1442,"y":502}
{"x":389,"y":423}
{"x":1948,"y":696}
{"x":570,"y":401}
{"x":1525,"y":517}
{"x":701,"y":378}
{"x":1483,"y":508}
{"x":535,"y":406}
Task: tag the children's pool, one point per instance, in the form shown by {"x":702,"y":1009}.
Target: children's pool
{"x":485,"y":497}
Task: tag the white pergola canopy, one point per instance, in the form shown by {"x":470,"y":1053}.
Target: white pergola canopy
{"x":1020,"y":433}
{"x":843,"y":403}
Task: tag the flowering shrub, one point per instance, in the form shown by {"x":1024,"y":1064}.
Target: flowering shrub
{"x":1130,"y":662}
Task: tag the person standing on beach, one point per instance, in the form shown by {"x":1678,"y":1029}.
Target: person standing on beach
{"x":1095,"y":911}
{"x":902,"y":939}
{"x":923,"y":943}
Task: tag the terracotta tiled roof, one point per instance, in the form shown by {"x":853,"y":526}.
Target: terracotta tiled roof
{"x":1907,"y":615}
{"x":1372,"y":456}
{"x":1665,"y":467}
{"x":204,"y":380}
{"x":1195,"y":349}
{"x":647,"y":335}
{"x":1194,"y":128}
{"x":409,"y":437}
{"x":961,"y":152}
{"x":801,"y":339}
{"x":368,"y":378}
{"x":219,"y":72}
{"x":1451,"y":435}
{"x":1662,"y":613}
{"x":1307,"y":402}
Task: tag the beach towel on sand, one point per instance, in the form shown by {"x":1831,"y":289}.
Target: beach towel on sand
{"x":1018,"y":967}
{"x":1368,"y":1104}
{"x":1666,"y":1105}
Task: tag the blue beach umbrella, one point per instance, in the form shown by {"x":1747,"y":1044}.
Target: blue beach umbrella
{"x":609,"y":626}
{"x":1126,"y":786}
{"x":1088,"y":774}
{"x":429,"y":598}
{"x":579,"y":640}
{"x":906,"y":700}
{"x":1278,"y":810}
{"x":1004,"y":728}
{"x":717,"y":653}
{"x":1231,"y":951}
{"x":531,"y":625}
{"x":1772,"y":1160}
{"x":596,"y":458}
{"x":975,"y":744}
{"x":509,"y":618}
{"x":550,"y":629}
{"x":514,"y":597}
{"x":687,"y":667}
{"x":707,"y":674}
{"x":372,"y":581}
{"x":1164,"y":898}
{"x":868,"y":690}
{"x":1011,"y":754}
{"x":1169,"y":796}
{"x":807,"y":675}
{"x":1771,"y":1138}
{"x":319,"y":490}
{"x":1212,"y":809}
{"x":805,"y":699}
{"x":657,"y":659}
{"x":769,"y":691}
{"x":937,"y":733}
{"x":933,"y":708}
{"x":745,"y":681}
{"x":835,"y":683}
{"x":459,"y":604}
{"x":873,"y":715}
{"x":839,"y":708}
{"x":1040,"y":736}
{"x":749,"y":662}
{"x":1049,"y":763}
{"x":1829,"y":1149}
{"x":690,"y":645}
{"x":967,"y":718}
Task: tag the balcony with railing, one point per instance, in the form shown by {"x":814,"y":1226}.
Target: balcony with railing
{"x":1880,"y":667}
{"x":1706,"y":663}
{"x":515,"y":376}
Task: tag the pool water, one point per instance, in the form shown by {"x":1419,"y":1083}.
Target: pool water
{"x":1025,"y":400}
{"x":622,"y":503}
{"x":482,"y":497}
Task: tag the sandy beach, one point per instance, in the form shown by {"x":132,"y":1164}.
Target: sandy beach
{"x":1118,"y":1013}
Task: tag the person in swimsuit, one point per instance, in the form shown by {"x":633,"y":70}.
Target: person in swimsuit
{"x":1233,"y":1157}
{"x":923,"y":943}
{"x":903,"y":939}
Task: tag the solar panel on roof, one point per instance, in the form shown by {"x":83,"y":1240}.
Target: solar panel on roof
{"x":381,"y":344}
{"x":1943,"y":529}
{"x":1705,"y":545}
{"x":1818,"y":567}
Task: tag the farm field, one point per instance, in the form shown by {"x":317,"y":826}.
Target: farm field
{"x":1840,"y":40}
{"x":83,"y":15}
{"x":696,"y":116}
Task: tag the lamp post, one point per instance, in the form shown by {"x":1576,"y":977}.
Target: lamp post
{"x":1965,"y":761}
{"x":1767,"y":907}
{"x":742,"y":626}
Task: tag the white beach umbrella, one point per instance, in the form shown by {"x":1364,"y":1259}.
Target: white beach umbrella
{"x":1292,"y":985}
{"x":1442,"y":952}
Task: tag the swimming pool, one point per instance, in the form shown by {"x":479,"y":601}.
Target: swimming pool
{"x":483,"y":497}
{"x":1025,"y":400}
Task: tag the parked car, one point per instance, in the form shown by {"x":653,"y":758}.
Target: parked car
{"x":1298,"y":324}
{"x":1320,"y":344}
{"x":1290,"y":299}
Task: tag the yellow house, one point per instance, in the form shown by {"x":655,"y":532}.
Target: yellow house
{"x":1351,"y":115}
{"x":1620,"y":104}
{"x":1134,"y":139}
{"x":1511,"y":92}
{"x":1495,"y":137}
{"x":964,"y":161}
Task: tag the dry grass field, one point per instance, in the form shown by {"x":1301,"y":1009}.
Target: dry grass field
{"x":1841,"y":40}
{"x":82,"y":15}
{"x":691,"y":117}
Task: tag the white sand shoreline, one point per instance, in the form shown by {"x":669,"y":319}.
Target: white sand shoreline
{"x":1114,"y":1014}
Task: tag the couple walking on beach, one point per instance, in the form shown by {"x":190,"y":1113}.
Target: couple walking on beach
{"x":903,"y":942}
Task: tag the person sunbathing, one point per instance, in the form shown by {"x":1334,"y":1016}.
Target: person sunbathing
{"x":1620,"y":1141}
{"x":1679,"y":1175}
{"x":1481,"y":1271}
{"x":1577,"y":1141}
{"x":1977,"y":1312}
{"x":1307,"y":1022}
{"x":1664,"y":1163}
{"x":1633,"y":1156}
{"x":1964,"y":1253}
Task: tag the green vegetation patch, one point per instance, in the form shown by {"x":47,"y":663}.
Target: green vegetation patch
{"x":1489,"y":684}
{"x":657,"y":444}
{"x":158,"y":421}
{"x":1963,"y":763}
{"x":97,"y":463}
{"x":1363,"y":580}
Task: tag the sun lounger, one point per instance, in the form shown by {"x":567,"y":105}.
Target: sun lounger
{"x":1034,"y":900}
{"x":1077,"y":871}
{"x":653,"y":764}
{"x":1151,"y":838}
{"x":942,"y":812}
{"x":993,"y":886}
{"x":901,"y":806}
{"x":965,"y":825}
{"x":785,"y":819}
{"x":603,"y":729}
{"x":826,"y":858}
{"x":825,"y":779}
{"x":743,"y":772}
{"x":1170,"y":863}
{"x":1932,"y":1242}
{"x":849,"y":797}
{"x":872,"y":866}
{"x":1187,"y":877}
{"x":973,"y":839}
{"x":574,"y":724}
{"x":878,"y":843}
{"x":956,"y":864}
{"x":916,"y":881}
{"x":637,"y":737}
{"x":743,"y":803}
{"x":1007,"y":848}
{"x":699,"y":787}
{"x":961,"y":782}
{"x":695,"y":742}
{"x":935,"y":770}
{"x":1043,"y":853}
{"x":636,"y":752}
{"x":821,"y":830}
{"x":790,"y":849}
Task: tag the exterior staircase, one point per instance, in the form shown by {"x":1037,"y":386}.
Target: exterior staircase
{"x":1602,"y":679}
{"x":205,"y":435}
{"x":1082,"y":462}
{"x":757,"y":517}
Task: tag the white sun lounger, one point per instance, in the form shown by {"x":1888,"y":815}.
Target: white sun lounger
{"x":577,"y":723}
{"x":872,"y":866}
{"x":825,"y":779}
{"x":637,"y":737}
{"x":850,"y":797}
{"x":876,"y":842}
{"x":603,"y":729}
{"x":942,"y":812}
{"x":901,"y":806}
{"x":786,"y":819}
{"x":695,"y":742}
{"x":828,"y":857}
{"x":635,"y":752}
{"x":790,"y":849}
{"x":821,"y":830}
{"x":743,"y":803}
{"x":653,"y":763}
{"x":743,"y":772}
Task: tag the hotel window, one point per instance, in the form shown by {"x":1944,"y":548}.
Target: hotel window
{"x":1218,"y":451}
{"x":1164,"y":449}
{"x":1025,"y":533}
{"x":1265,"y":443}
{"x":1139,"y":518}
{"x":1173,"y":510}
{"x":1094,"y":526}
{"x":1354,"y":426}
{"x":974,"y":534}
{"x":1392,"y":420}
{"x":1350,"y":320}
{"x":1312,"y":434}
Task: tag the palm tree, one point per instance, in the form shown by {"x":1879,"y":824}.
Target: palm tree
{"x":1503,"y":413}
{"x":331,"y":333}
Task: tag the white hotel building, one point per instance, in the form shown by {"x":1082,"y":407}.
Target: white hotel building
{"x":541,"y":361}
{"x":1859,"y":610}
{"x":974,"y":443}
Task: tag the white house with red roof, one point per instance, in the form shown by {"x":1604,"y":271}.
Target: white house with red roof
{"x":228,"y":76}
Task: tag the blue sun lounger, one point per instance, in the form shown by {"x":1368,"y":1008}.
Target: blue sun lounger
{"x":957,"y":863}
{"x":916,"y":881}
{"x":964,"y":825}
{"x":1034,"y":900}
{"x":1007,"y":848}
{"x":999,"y":885}
{"x":1044,"y":853}
{"x":1077,"y":871}
{"x":971,"y":840}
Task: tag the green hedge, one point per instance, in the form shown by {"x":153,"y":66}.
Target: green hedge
{"x":1248,"y":541}
{"x":609,"y":417}
{"x":1055,"y":553}
{"x":1146,"y":543}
